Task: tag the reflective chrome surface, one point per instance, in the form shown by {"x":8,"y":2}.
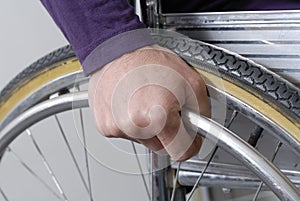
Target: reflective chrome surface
{"x":224,"y":175}
{"x":226,"y":139}
{"x":39,"y":112}
{"x":66,"y":81}
{"x":250,"y":113}
{"x":270,"y":38}
{"x":235,"y":19}
{"x":246,"y":154}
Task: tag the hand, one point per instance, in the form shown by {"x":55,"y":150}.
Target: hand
{"x":139,"y":96}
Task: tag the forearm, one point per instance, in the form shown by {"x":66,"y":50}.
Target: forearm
{"x":98,"y":30}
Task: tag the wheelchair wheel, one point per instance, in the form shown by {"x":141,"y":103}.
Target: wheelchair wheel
{"x":252,"y":93}
{"x":55,"y":84}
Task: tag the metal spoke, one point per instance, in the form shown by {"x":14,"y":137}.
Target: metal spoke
{"x":175,"y":182}
{"x":86,"y":154}
{"x":272,"y":160}
{"x":202,"y":173}
{"x":71,"y":152}
{"x":151,"y":170}
{"x":255,"y":135}
{"x":233,"y":116}
{"x":77,"y":87}
{"x":3,"y":194}
{"x":46,"y":164}
{"x":141,"y":171}
{"x":44,"y":183}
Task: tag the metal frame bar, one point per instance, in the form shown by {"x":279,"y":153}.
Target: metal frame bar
{"x":227,"y":140}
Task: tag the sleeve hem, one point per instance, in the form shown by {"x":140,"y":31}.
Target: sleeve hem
{"x":115,"y":47}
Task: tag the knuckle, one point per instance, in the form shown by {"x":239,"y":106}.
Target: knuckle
{"x":139,"y":118}
{"x":145,"y":123}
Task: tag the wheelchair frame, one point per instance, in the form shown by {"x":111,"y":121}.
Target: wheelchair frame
{"x":270,"y":38}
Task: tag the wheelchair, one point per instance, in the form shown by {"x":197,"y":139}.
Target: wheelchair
{"x":250,"y":61}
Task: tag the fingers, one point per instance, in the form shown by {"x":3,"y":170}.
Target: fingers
{"x":142,"y":101}
{"x":180,"y":144}
{"x":173,"y":138}
{"x":154,"y":144}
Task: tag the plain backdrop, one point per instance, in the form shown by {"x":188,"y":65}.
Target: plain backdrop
{"x":26,"y":34}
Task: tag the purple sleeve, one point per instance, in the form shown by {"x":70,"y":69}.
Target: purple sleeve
{"x":99,"y":30}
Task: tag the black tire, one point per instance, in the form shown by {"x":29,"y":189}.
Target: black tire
{"x":245,"y":74}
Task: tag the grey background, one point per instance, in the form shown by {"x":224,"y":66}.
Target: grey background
{"x":27,"y":33}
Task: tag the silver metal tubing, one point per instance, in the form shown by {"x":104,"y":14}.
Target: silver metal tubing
{"x":188,"y":178}
{"x":238,"y":18}
{"x":153,"y":12}
{"x":260,"y":119}
{"x":270,"y":38}
{"x":224,"y":175}
{"x":233,"y":181}
{"x":246,"y":154}
{"x":227,"y":140}
{"x":66,"y":81}
{"x":40,"y":112}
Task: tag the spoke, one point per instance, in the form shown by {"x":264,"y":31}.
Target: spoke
{"x":255,"y":135}
{"x":71,"y":152}
{"x":233,"y":116}
{"x":202,"y":173}
{"x":77,"y":87}
{"x":44,"y":183}
{"x":47,"y":166}
{"x":175,"y":182}
{"x":141,"y":171}
{"x":151,"y":171}
{"x":257,"y":191}
{"x":3,"y":194}
{"x":86,"y":154}
{"x":272,"y":160}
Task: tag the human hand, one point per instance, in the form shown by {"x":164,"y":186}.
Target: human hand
{"x":139,"y":96}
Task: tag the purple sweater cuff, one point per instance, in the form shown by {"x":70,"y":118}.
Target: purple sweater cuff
{"x":91,"y":25}
{"x":115,"y":47}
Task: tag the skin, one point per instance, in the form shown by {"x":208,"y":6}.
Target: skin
{"x":151,"y":105}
